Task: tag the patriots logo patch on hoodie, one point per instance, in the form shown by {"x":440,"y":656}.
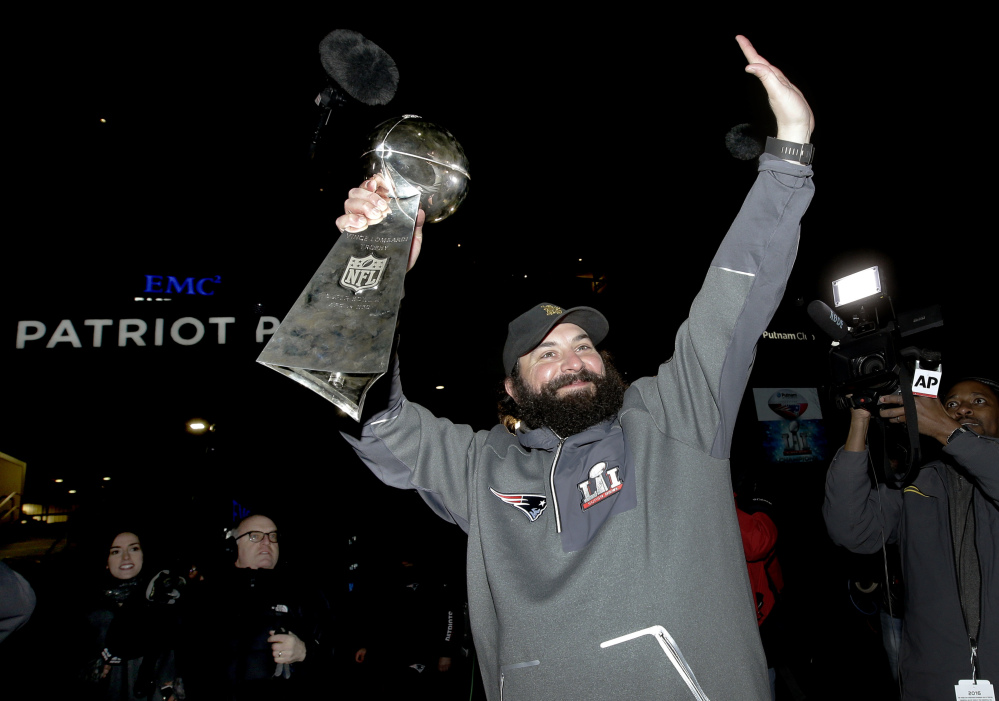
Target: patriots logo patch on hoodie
{"x":531,"y":504}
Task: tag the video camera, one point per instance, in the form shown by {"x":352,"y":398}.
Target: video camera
{"x":866,"y":360}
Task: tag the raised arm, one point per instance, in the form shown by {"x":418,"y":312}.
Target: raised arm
{"x":977,"y":450}
{"x":857,"y":517}
{"x":714,"y":352}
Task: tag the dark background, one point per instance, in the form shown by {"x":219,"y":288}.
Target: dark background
{"x":600,"y":176}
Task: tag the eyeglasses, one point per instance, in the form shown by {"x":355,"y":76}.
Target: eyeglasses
{"x":257,"y":536}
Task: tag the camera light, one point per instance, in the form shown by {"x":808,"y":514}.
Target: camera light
{"x":196,"y":426}
{"x":864,"y":283}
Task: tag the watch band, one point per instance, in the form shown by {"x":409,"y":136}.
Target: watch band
{"x":788,"y":150}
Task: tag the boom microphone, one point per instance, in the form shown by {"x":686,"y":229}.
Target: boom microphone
{"x":744,"y":142}
{"x":828,"y":320}
{"x":359,"y":66}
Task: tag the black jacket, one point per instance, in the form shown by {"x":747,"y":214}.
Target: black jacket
{"x":226,"y":654}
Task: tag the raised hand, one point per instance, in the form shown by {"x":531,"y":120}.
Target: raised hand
{"x":795,"y":121}
{"x":932,"y":419}
{"x":367,"y":205}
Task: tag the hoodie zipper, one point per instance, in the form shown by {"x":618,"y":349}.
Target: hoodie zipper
{"x":673,"y":653}
{"x":666,"y":641}
{"x":551,"y":481}
{"x":506,"y":668}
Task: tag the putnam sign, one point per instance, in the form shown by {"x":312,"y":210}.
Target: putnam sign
{"x":793,"y":336}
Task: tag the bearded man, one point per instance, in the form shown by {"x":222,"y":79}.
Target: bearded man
{"x":604,"y":553}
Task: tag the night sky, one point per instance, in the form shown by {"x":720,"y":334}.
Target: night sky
{"x":600,"y":176}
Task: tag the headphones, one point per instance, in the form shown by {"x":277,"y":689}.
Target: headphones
{"x":230,"y":541}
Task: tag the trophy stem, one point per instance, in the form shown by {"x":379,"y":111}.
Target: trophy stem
{"x":337,"y":338}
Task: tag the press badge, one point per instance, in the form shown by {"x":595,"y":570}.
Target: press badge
{"x":968,"y":690}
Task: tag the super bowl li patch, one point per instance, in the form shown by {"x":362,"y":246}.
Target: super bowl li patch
{"x":602,"y":483}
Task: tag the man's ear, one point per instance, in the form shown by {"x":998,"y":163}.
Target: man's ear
{"x":508,"y":386}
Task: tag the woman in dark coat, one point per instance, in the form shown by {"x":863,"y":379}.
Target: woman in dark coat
{"x":128,"y":647}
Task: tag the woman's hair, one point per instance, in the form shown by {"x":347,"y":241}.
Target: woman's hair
{"x":113,"y":533}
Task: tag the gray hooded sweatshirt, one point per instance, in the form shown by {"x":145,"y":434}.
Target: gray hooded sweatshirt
{"x":609,"y":564}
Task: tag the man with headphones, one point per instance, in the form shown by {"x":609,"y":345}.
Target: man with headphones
{"x":264,"y":624}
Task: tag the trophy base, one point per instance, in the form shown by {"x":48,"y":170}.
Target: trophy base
{"x":345,"y":390}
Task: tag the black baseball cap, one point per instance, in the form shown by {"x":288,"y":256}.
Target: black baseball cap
{"x":530,"y":328}
{"x":991,"y":384}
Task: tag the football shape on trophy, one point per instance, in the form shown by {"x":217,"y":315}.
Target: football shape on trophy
{"x":414,"y":155}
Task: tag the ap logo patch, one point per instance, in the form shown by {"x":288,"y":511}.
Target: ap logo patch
{"x":363,"y":273}
{"x":531,"y":504}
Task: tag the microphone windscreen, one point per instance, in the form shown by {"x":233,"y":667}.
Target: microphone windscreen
{"x":743,"y":143}
{"x":359,"y":66}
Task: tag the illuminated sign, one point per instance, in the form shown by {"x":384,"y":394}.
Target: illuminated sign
{"x":239,"y":512}
{"x":793,"y":336}
{"x":187,"y":286}
{"x":185,"y":331}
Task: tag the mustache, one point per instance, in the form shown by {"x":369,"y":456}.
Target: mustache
{"x":584,"y":375}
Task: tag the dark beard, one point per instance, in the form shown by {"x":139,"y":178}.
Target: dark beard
{"x":576,"y":411}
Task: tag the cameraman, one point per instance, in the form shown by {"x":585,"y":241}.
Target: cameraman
{"x":947,"y":526}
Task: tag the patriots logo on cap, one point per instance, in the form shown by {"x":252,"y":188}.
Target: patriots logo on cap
{"x":531,"y":504}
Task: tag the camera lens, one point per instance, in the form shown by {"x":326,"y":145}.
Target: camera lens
{"x":870,"y":365}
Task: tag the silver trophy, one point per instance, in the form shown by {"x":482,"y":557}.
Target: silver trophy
{"x":337,"y":339}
